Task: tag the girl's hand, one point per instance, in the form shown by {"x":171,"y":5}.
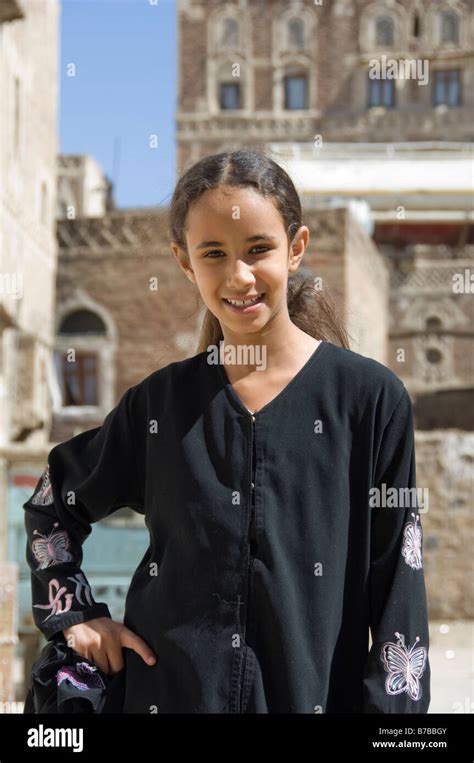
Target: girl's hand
{"x":101,"y":641}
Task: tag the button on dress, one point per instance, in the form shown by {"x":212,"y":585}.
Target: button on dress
{"x":269,"y":561}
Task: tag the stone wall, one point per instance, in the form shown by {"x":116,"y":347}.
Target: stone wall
{"x":338,"y":49}
{"x":445,"y":465}
{"x":28,"y":148}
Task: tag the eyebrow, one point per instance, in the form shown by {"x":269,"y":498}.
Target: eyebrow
{"x":258,"y":237}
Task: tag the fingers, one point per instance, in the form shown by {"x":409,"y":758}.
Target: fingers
{"x":130,"y":640}
{"x":100,"y":659}
{"x":115,"y":659}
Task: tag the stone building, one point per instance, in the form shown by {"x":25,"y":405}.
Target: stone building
{"x":83,"y":189}
{"x":270,"y":71}
{"x":28,"y":259}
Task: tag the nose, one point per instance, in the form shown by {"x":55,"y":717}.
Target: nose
{"x":239,"y":275}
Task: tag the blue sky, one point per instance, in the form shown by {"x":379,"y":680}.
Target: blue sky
{"x":123,"y":91}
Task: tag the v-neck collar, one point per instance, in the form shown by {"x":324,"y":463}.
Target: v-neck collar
{"x":237,"y":402}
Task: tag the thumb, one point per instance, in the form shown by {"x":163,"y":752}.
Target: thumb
{"x":130,"y":640}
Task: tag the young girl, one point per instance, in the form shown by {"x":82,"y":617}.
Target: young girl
{"x":262,"y":466}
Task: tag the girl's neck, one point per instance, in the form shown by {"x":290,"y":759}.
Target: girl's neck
{"x":279,"y":351}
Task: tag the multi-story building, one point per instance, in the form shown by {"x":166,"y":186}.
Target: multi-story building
{"x":28,"y":259}
{"x":266,"y":71}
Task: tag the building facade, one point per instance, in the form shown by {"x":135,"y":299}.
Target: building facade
{"x":271,"y":71}
{"x":28,"y":261}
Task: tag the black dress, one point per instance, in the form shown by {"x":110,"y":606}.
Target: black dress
{"x":273,"y":543}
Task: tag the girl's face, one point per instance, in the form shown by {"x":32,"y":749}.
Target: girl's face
{"x":238,"y":250}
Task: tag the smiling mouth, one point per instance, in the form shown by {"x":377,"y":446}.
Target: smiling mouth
{"x":244,"y":302}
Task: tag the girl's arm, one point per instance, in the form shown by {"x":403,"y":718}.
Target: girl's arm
{"x":86,"y":479}
{"x":397,"y":674}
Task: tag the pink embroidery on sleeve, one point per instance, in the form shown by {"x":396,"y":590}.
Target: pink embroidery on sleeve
{"x":51,"y":549}
{"x":404,"y":666}
{"x":44,"y":496}
{"x":55,"y":604}
{"x":411,"y":549}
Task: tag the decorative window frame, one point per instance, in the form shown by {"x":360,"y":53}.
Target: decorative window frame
{"x":217,"y":30}
{"x":448,"y":312}
{"x":433,"y":25}
{"x":393,"y":30}
{"x":214,"y":30}
{"x":104,"y":346}
{"x":296,"y":72}
{"x":288,"y":48}
{"x":434,"y":374}
{"x":221,"y":60}
{"x":224,"y":77}
{"x":288,"y":62}
{"x":401,"y":27}
{"x":446,"y":68}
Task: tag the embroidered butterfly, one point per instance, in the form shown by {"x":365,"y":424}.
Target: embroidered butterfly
{"x":44,"y":495}
{"x":51,"y":549}
{"x":411,"y":548}
{"x":405,"y":667}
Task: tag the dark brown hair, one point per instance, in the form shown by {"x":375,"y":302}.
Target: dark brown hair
{"x":312,"y":311}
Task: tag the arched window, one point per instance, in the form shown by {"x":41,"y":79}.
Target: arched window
{"x":433,"y":323}
{"x":80,"y":368}
{"x":384,"y":30}
{"x":449,"y":27}
{"x":295,"y":31}
{"x":82,"y":322}
{"x":229,"y":36}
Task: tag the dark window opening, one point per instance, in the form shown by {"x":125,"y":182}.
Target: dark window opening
{"x":296,"y":34}
{"x":229,"y":33}
{"x":449,"y":27}
{"x":433,"y":355}
{"x":82,"y":322}
{"x":384,"y":31}
{"x":433,"y":323}
{"x":229,"y":96}
{"x":80,"y":379}
{"x":381,"y":93}
{"x":416,"y":25}
{"x":296,"y":92}
{"x":447,"y":88}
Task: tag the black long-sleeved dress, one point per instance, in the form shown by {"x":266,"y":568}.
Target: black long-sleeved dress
{"x":273,"y":546}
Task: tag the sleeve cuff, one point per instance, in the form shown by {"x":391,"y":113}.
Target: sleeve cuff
{"x":57,"y":624}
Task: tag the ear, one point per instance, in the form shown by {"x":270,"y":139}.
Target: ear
{"x":182,"y":259}
{"x":297,"y":248}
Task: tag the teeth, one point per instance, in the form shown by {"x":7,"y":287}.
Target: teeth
{"x":243,"y":302}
